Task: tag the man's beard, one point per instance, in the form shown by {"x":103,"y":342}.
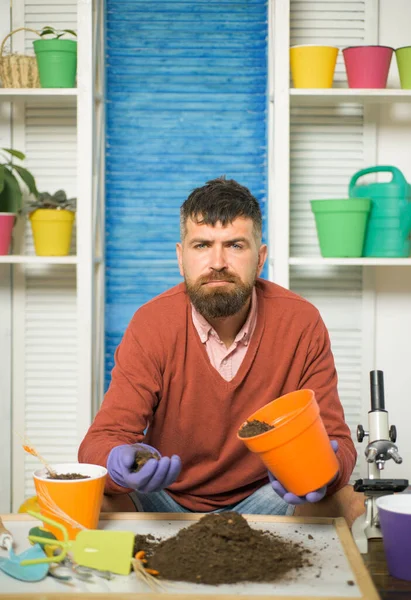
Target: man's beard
{"x":219,"y":302}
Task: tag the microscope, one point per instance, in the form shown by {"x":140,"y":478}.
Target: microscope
{"x":381,"y":447}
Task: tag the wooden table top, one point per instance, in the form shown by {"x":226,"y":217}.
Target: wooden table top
{"x":388,"y":587}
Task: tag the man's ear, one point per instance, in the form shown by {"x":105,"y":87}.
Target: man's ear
{"x":179,"y":251}
{"x":262,"y":257}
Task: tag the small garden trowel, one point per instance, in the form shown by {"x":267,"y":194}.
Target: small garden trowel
{"x":12,"y":565}
{"x":97,"y":549}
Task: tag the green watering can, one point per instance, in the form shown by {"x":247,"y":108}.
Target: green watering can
{"x":389,"y":224}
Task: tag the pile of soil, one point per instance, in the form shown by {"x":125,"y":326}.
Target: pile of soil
{"x":141,"y":457}
{"x":223,"y":548}
{"x":68,"y":476}
{"x":252,"y":428}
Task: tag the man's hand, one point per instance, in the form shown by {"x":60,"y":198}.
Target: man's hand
{"x":315,"y":496}
{"x":154,"y":476}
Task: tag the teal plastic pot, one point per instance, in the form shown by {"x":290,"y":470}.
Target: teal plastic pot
{"x":341,"y":226}
{"x":57,"y":62}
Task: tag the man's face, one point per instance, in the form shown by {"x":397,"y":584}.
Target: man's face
{"x":220,"y":265}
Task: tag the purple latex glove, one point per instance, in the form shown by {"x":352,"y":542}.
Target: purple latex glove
{"x":315,"y":496}
{"x":154,"y":476}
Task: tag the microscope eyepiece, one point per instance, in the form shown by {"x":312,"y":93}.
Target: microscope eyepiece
{"x":377,"y":390}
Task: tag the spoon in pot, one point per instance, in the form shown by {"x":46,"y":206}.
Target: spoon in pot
{"x":29,"y":448}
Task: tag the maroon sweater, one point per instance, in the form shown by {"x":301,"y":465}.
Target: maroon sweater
{"x":163,"y":379}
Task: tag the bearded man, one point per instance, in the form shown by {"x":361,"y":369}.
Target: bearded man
{"x":197,"y":360}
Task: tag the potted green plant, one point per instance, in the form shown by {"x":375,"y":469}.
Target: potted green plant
{"x":51,"y":217}
{"x":56,"y":58}
{"x":12,"y":177}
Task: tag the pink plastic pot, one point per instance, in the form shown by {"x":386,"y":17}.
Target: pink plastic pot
{"x":367,"y":66}
{"x":6,"y":228}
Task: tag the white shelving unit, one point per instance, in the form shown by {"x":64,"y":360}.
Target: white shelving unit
{"x":318,"y":139}
{"x":38,"y":94}
{"x":319,"y":97}
{"x":359,"y":262}
{"x":87,"y":257}
{"x":21,"y":259}
{"x":283,"y":99}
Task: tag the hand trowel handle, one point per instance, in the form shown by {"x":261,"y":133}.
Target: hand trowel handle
{"x":6,"y":539}
{"x":65,"y":544}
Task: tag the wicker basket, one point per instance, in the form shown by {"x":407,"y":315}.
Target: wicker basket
{"x":18,"y":70}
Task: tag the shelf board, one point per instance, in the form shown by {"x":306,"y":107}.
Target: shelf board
{"x":309,"y":97}
{"x":362,"y":261}
{"x":19,"y":259}
{"x":39,"y":94}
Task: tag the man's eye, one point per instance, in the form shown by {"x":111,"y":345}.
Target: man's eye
{"x":236,"y":246}
{"x":200,"y":246}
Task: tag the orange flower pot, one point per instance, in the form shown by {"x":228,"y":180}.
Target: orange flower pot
{"x":75,"y":503}
{"x":297,"y":451}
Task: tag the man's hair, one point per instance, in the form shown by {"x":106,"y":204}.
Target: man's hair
{"x":221,"y":200}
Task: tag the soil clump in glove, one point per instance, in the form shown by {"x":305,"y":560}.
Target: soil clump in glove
{"x":142,"y":456}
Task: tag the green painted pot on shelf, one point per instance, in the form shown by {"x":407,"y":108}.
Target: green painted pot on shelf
{"x":341,"y":226}
{"x":403,"y":56}
{"x":57,"y":62}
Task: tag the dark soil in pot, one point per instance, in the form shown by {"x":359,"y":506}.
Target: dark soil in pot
{"x":68,"y":476}
{"x":223,"y":548}
{"x":252,"y":428}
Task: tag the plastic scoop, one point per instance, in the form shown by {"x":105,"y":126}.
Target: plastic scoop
{"x":97,"y":549}
{"x":29,"y":448}
{"x":12,"y":565}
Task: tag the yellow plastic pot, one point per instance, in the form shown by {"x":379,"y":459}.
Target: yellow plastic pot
{"x":313,"y":66}
{"x":52,"y":231}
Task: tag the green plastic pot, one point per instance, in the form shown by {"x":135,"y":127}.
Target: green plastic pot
{"x":57,"y":62}
{"x":341,"y":226}
{"x":403,"y":56}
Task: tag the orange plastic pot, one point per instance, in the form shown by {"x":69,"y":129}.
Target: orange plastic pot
{"x":75,"y":503}
{"x":297,"y":451}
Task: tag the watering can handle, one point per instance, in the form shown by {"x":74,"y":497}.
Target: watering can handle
{"x":397,"y":176}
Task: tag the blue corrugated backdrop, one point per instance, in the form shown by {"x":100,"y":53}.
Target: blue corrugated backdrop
{"x":186,"y":102}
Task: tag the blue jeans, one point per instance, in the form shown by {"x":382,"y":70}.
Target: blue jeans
{"x":264,"y":501}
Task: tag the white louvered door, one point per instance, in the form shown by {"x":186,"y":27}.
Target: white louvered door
{"x":45,"y":379}
{"x":57,"y":313}
{"x":328,"y":144}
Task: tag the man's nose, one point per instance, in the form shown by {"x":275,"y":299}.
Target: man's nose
{"x":218,"y":261}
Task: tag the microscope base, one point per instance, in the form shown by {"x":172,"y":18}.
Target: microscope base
{"x":362,"y":531}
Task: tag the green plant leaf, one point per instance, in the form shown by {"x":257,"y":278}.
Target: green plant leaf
{"x":28,"y":179}
{"x":15,"y":153}
{"x":44,"y":197}
{"x":70,"y":31}
{"x":2,"y":169}
{"x":11,"y":196}
{"x":60,"y":196}
{"x":47,"y":30}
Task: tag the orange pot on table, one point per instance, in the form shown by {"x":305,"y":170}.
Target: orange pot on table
{"x":297,"y":451}
{"x":75,"y":503}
